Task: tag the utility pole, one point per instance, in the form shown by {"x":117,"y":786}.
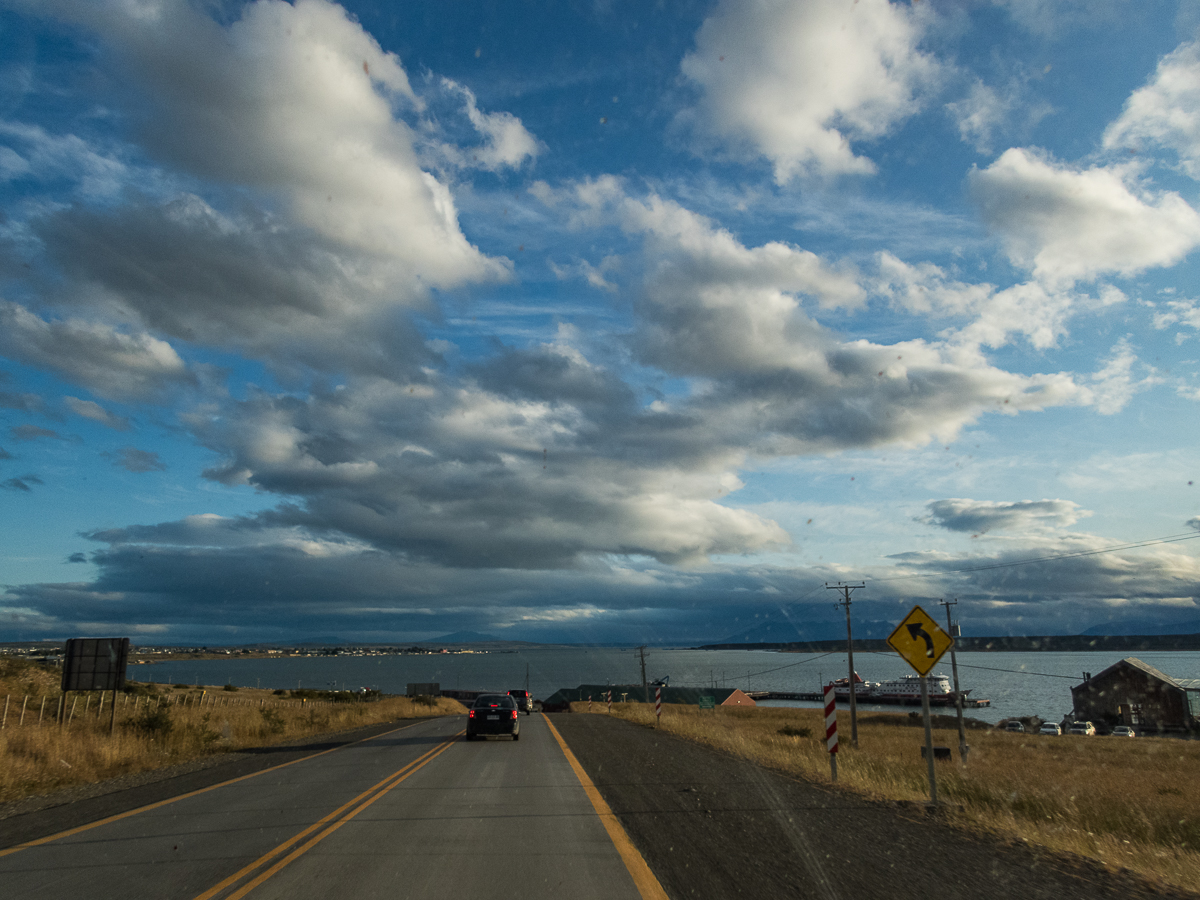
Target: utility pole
{"x":954,"y":632}
{"x":645,"y":684}
{"x":845,"y":601}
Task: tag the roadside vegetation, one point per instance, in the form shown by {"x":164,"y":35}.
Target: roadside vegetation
{"x":1126,"y":803}
{"x":160,"y":725}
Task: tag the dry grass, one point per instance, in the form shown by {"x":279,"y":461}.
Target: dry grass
{"x":1126,"y":803}
{"x":159,"y":726}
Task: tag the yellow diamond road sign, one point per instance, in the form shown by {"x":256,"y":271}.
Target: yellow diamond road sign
{"x":919,"y":640}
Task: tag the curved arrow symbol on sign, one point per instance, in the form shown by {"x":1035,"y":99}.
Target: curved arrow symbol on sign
{"x":917,"y":630}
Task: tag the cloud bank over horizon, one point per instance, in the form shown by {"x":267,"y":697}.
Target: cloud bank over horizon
{"x":358,"y":329}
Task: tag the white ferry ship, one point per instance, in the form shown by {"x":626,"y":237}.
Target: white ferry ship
{"x":906,"y":689}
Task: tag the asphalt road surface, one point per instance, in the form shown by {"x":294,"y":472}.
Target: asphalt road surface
{"x":416,"y":812}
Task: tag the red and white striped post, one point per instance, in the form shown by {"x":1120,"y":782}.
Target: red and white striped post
{"x":657,"y":705}
{"x":831,"y":741}
{"x":589,"y":702}
{"x":609,"y":698}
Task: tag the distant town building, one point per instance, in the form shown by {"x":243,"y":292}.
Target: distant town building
{"x":1134,"y":693}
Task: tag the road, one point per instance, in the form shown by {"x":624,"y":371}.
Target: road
{"x":415,"y":812}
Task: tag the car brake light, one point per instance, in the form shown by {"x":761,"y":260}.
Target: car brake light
{"x":471,"y":714}
{"x":514,"y":713}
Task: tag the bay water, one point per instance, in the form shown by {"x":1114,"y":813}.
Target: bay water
{"x":1017,"y":684}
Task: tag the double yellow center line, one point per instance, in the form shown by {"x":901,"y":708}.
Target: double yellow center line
{"x":273,"y":861}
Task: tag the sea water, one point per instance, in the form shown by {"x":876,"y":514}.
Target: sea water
{"x":1017,"y":684}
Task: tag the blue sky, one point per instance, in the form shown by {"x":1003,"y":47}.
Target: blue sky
{"x":593,"y":322}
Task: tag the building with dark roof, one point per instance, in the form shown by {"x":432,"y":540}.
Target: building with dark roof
{"x":1134,"y":693}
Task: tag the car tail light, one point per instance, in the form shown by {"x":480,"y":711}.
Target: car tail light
{"x":471,"y":714}
{"x":514,"y":713}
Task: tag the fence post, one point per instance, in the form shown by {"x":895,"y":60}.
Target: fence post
{"x":73,"y":705}
{"x":4,"y":721}
{"x":43,"y":711}
{"x":23,"y":703}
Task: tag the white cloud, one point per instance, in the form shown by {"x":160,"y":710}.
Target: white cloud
{"x":97,"y":413}
{"x":924,"y":288}
{"x":1114,"y":384}
{"x":1068,"y":224}
{"x":296,"y":101}
{"x":1184,"y":311}
{"x":507,"y":143}
{"x":798,"y":81}
{"x":48,"y":156}
{"x":111,"y":363}
{"x":1166,"y":112}
{"x":980,"y":115}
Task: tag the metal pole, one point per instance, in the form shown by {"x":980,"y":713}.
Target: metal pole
{"x":963,"y":749}
{"x":928,"y":740}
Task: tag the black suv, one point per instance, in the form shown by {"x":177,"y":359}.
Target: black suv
{"x":523,"y":699}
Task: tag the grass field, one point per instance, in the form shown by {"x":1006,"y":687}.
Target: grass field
{"x":1126,"y":803}
{"x":158,"y":726}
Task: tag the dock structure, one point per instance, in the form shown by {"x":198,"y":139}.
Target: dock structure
{"x":817,"y":697}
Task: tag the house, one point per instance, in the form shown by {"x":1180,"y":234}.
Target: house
{"x":1135,"y":693}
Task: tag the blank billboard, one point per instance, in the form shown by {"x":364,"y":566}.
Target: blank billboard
{"x":95,"y":664}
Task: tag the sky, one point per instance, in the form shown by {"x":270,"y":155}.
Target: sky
{"x":603,"y":322}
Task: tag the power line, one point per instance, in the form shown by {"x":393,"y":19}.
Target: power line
{"x":989,"y":668}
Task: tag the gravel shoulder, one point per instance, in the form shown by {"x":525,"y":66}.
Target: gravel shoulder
{"x":44,"y":814}
{"x":713,"y":827}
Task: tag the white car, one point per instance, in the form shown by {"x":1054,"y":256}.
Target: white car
{"x":1086,"y":728}
{"x":1123,"y":731}
{"x":1049,"y":728}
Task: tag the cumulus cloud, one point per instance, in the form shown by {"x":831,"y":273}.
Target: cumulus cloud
{"x":1166,"y":112}
{"x":797,"y":82}
{"x":108,"y":361}
{"x":133,"y":460}
{"x":1068,"y":224}
{"x":982,"y":516}
{"x":97,"y":413}
{"x":302,"y":111}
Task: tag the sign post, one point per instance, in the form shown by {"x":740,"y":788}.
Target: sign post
{"x":657,"y":705}
{"x":831,"y":741}
{"x":610,"y":703}
{"x":921,"y":643}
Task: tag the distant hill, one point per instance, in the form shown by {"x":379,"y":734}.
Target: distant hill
{"x":1120,"y":643}
{"x":786,"y":632}
{"x":1145,"y":626}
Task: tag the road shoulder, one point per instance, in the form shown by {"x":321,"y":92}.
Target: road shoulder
{"x":712,"y":826}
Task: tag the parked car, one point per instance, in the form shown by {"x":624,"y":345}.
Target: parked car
{"x":1086,"y":728}
{"x":493,"y":714}
{"x":1014,"y":725}
{"x":1123,"y":731}
{"x":1049,"y":728}
{"x":524,"y":700}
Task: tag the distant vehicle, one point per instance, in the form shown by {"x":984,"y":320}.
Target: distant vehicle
{"x":1014,"y":725}
{"x":493,"y":714}
{"x":1086,"y":728}
{"x":1123,"y":731}
{"x":523,"y":699}
{"x":1049,"y":728}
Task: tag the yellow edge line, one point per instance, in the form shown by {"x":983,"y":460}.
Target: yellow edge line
{"x":300,"y":851}
{"x":643,"y":878}
{"x":266,"y":857}
{"x":212,"y":787}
